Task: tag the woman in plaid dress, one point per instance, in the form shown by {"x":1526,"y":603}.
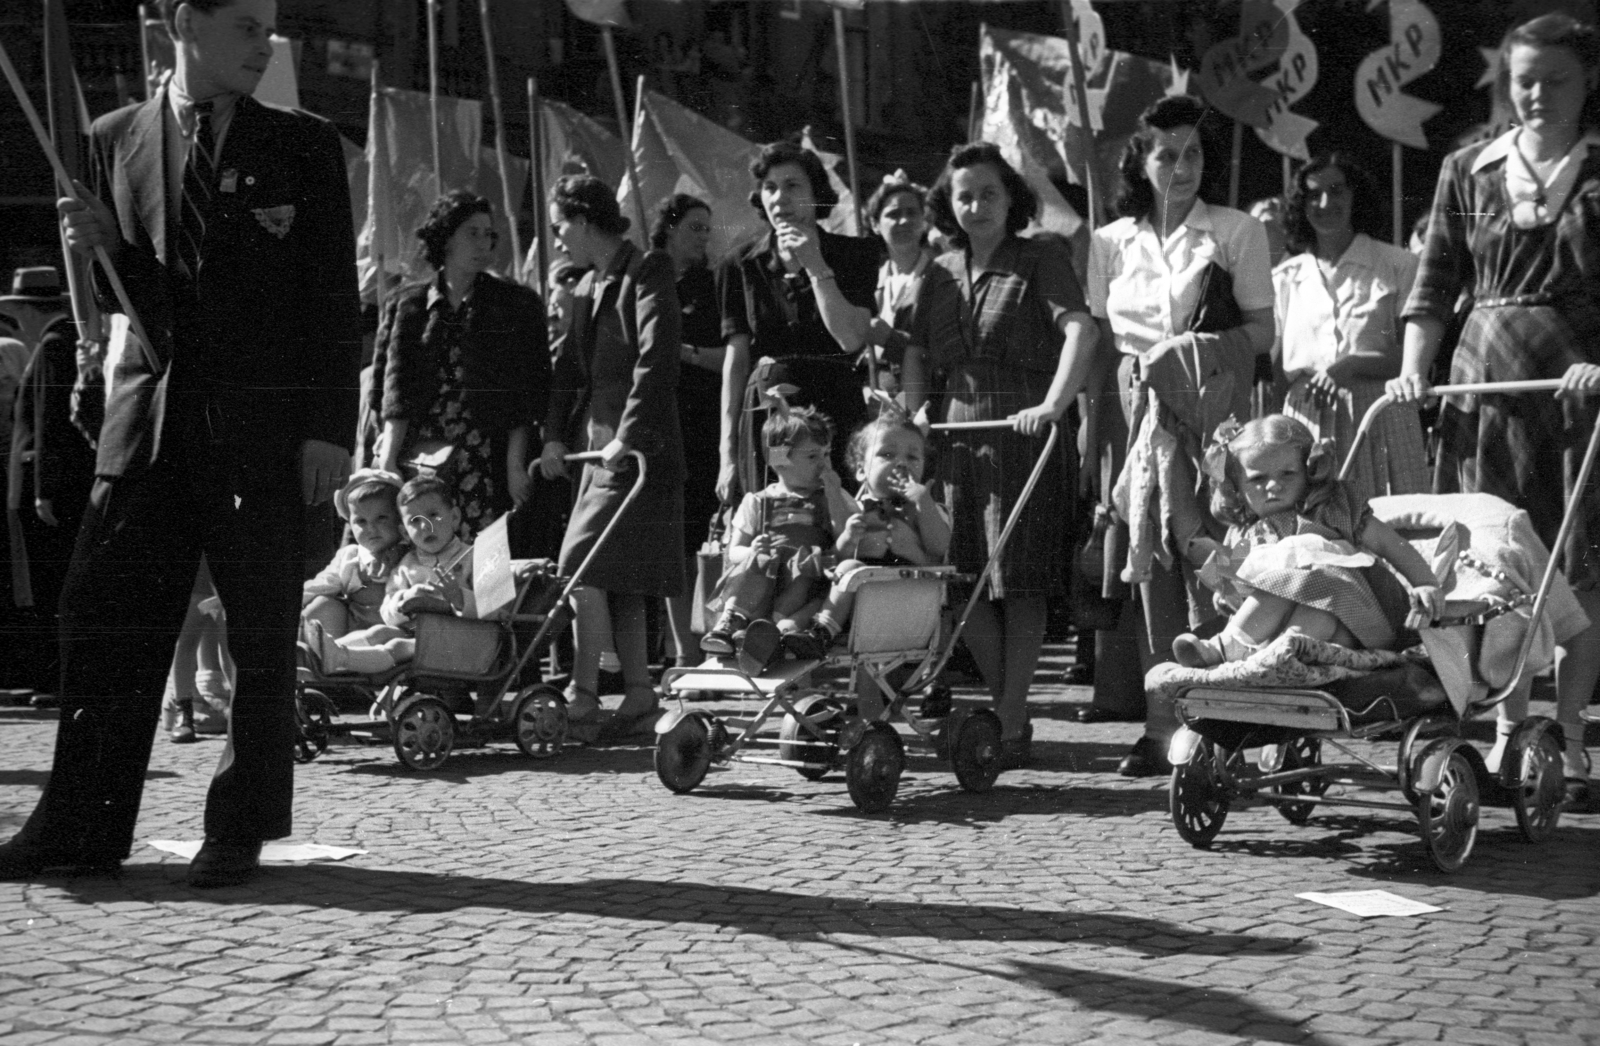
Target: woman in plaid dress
{"x":1517,"y":220}
{"x":1028,"y":347}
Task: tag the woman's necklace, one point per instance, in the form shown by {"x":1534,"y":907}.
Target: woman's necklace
{"x":1544,"y":172}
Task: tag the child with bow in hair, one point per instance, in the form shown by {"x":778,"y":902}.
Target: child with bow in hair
{"x":1296,"y":548}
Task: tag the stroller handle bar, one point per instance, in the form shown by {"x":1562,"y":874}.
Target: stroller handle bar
{"x":1568,"y":518}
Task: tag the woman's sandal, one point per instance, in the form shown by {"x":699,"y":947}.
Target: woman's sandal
{"x":583,"y":704}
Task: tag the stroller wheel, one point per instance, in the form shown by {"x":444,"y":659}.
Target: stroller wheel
{"x":873,"y":770}
{"x":539,"y":722}
{"x":975,"y":750}
{"x":1198,"y":797}
{"x":424,"y":731}
{"x":1538,"y":790}
{"x":1299,"y":754}
{"x":796,"y":744}
{"x":1447,"y":814}
{"x":683,"y":754}
{"x":312,"y":723}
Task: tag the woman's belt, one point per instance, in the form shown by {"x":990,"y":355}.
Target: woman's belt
{"x":1514,"y":301}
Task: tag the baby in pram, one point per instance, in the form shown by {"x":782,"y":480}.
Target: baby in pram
{"x":1296,"y":549}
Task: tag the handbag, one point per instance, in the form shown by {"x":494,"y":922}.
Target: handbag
{"x":709,"y":563}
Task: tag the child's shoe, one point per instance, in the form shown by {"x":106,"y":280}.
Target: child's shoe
{"x":762,"y":645}
{"x":810,"y":644}
{"x":719,"y":642}
{"x":1193,"y":652}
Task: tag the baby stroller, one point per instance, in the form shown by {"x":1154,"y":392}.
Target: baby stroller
{"x":895,"y":644}
{"x":1475,"y":658}
{"x":471,"y":681}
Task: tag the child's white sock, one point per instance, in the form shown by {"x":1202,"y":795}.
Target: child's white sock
{"x":1502,"y":739}
{"x":1574,"y":763}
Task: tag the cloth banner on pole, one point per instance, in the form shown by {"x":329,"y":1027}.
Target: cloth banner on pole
{"x":842,"y":221}
{"x":488,"y":186}
{"x":574,"y":143}
{"x":678,"y":150}
{"x":1027,"y":111}
{"x":400,"y":181}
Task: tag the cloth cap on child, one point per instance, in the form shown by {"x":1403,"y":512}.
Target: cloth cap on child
{"x":341,"y":499}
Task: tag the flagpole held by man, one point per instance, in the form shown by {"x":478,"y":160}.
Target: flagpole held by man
{"x":230,"y":223}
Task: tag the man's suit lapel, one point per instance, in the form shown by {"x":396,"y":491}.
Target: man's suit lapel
{"x":147,"y":170}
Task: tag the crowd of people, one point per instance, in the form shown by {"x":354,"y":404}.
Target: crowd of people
{"x":1205,"y":388}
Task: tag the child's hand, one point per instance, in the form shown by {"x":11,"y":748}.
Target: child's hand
{"x":762,"y":547}
{"x":908,"y":488}
{"x":1427,"y":606}
{"x":855,"y":528}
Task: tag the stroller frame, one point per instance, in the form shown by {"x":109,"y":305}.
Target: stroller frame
{"x":820,"y":730}
{"x":464,"y":685}
{"x":1439,"y":774}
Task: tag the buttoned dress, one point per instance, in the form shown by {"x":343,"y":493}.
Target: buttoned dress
{"x":1534,"y":273}
{"x":1325,"y":316}
{"x":1012,"y":309}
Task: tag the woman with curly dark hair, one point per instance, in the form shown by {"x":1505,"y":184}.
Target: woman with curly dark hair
{"x":466,"y":374}
{"x":798,"y":297}
{"x":1027,"y":349}
{"x":615,"y":392}
{"x":1339,"y":296}
{"x":1183,"y":292}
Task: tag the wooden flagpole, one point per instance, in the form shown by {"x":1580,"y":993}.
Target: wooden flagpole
{"x":844,"y":108}
{"x":627,"y":133}
{"x":511,"y":207}
{"x":540,"y":207}
{"x":67,"y":188}
{"x":433,"y":94}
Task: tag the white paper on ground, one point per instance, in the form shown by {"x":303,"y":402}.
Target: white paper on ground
{"x":1368,"y":903}
{"x":187,"y":848}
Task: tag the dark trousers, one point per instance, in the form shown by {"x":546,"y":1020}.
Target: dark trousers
{"x":122,"y":606}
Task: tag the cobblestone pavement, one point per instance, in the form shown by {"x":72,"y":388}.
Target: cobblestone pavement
{"x":577,"y":901}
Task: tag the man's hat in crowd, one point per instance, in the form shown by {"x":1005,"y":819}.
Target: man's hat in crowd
{"x":39,"y":283}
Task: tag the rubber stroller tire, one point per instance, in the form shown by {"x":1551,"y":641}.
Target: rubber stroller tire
{"x":313,"y":722}
{"x":424,"y":731}
{"x":539,"y":722}
{"x":1447,"y":815}
{"x":872,"y":770}
{"x":1538,"y":789}
{"x":683,"y":755}
{"x":1298,"y":754}
{"x":790,"y":732}
{"x":1197,"y":798}
{"x":975,"y":749}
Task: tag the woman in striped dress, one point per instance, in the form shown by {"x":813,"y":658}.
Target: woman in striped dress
{"x":1027,"y":351}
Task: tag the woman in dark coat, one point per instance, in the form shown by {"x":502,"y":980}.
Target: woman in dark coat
{"x":465,"y":365}
{"x":616,"y":379}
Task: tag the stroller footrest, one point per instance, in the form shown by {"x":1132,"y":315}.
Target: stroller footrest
{"x":1299,"y":709}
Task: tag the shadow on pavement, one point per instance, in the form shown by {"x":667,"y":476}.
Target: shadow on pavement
{"x":773,"y":913}
{"x":36,"y":778}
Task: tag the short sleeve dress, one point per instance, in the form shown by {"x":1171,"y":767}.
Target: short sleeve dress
{"x":1011,"y":310}
{"x":1324,"y":317}
{"x":1536,"y":311}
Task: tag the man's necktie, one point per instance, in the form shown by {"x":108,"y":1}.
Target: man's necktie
{"x":199,"y":185}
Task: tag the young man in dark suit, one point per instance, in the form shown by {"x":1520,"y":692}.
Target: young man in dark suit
{"x":230,"y":225}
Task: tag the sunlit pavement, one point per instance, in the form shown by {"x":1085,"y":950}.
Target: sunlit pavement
{"x":578,"y":901}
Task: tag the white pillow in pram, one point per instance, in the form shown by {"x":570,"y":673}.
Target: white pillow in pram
{"x":1502,"y":536}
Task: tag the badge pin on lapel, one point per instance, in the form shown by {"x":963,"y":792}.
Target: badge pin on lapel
{"x":230,"y":180}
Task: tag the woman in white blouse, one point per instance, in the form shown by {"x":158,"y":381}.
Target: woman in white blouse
{"x":1340,"y":294}
{"x":1161,"y":280}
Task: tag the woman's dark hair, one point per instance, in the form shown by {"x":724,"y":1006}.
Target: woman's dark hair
{"x":450,"y":212}
{"x":893,"y":185}
{"x":670,"y":213}
{"x":1366,"y":203}
{"x":1138,"y":197}
{"x":790,"y":151}
{"x":1555,"y":30}
{"x":584,"y":196}
{"x":1024,"y":201}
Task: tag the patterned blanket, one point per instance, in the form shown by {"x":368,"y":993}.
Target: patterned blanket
{"x":1292,"y":660}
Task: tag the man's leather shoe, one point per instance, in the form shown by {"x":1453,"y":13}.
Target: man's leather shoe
{"x":1146,"y":759}
{"x":224,"y":864}
{"x":1093,"y":714}
{"x":20,"y":862}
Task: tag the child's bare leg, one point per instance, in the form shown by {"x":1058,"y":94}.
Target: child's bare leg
{"x":801,"y":618}
{"x":331,"y":614}
{"x":1261,"y":617}
{"x":400,"y":650}
{"x":1319,"y":624}
{"x":835,"y":612}
{"x":1509,"y":714}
